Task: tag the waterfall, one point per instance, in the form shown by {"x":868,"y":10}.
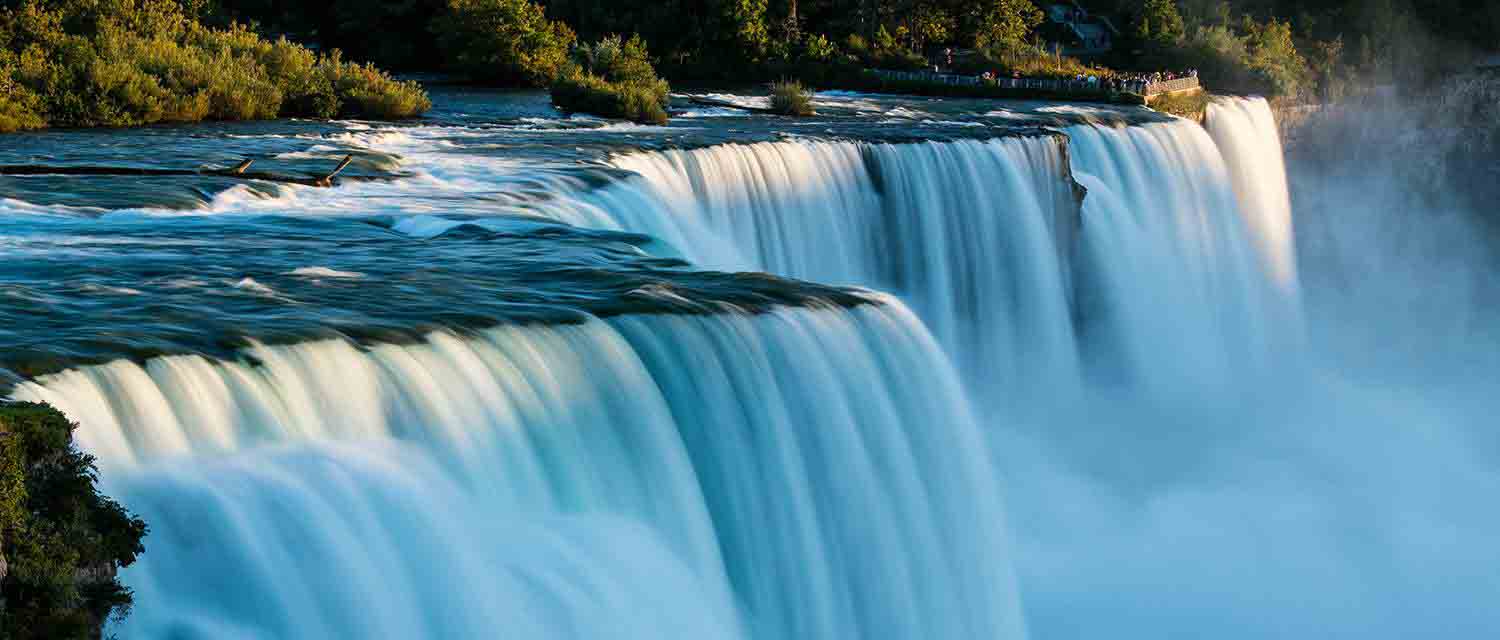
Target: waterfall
{"x":803,"y":472}
{"x":974,"y":235}
{"x":797,"y":473}
{"x":1167,"y":278}
{"x":1173,"y":289}
{"x":1246,"y":133}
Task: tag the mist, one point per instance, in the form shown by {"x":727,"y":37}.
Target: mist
{"x":1344,"y":490}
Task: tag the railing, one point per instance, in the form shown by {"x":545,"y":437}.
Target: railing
{"x":929,"y":76}
{"x":1168,"y":86}
{"x":1141,"y":87}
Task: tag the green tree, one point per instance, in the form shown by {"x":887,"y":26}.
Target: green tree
{"x":1159,"y":24}
{"x":1326,"y":60}
{"x":1275,"y":59}
{"x":613,"y":78}
{"x":926,"y":23}
{"x":61,"y":541}
{"x":130,"y":62}
{"x":746,"y":26}
{"x":1006,"y":23}
{"x":505,"y":42}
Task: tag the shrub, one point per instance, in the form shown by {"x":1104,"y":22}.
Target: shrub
{"x":507,"y":42}
{"x":791,"y":99}
{"x":578,"y":91}
{"x":362,"y":91}
{"x":613,"y":78}
{"x":61,"y":539}
{"x":617,"y":60}
{"x":115,"y":64}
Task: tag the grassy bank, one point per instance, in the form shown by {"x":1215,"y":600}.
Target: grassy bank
{"x":61,"y":542}
{"x":82,"y":63}
{"x":1187,"y":104}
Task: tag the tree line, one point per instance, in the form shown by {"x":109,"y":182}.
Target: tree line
{"x":1283,"y":46}
{"x":121,"y":62}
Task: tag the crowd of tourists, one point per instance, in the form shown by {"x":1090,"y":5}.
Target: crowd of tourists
{"x":1132,"y":82}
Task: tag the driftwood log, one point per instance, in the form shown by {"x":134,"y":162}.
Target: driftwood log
{"x":710,"y":102}
{"x":237,"y":172}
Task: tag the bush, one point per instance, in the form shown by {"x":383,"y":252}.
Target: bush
{"x":87,"y":63}
{"x":613,"y":78}
{"x":1031,"y":61}
{"x":580,"y":92}
{"x":62,"y":541}
{"x":506,"y":42}
{"x":791,"y":99}
{"x":362,"y":91}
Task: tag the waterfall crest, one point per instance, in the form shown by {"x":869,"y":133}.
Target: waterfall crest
{"x":798,"y":473}
{"x":974,"y":234}
{"x":1177,"y":268}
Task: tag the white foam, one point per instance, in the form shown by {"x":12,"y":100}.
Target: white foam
{"x":324,"y":272}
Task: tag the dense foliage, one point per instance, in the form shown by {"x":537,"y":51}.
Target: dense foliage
{"x":1248,"y":44}
{"x":612,"y":78}
{"x":129,"y":62}
{"x":1308,"y":49}
{"x":60,"y":540}
{"x":509,"y":42}
{"x":1030,"y":61}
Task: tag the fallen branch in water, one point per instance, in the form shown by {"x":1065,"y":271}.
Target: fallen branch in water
{"x":237,"y":172}
{"x":710,"y":102}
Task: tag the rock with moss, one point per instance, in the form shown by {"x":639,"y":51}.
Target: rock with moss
{"x":62,"y":540}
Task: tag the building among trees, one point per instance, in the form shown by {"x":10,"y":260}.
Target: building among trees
{"x":1071,"y":29}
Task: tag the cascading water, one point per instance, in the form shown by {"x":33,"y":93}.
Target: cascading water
{"x":1172,"y":287}
{"x":773,"y":464}
{"x":638,"y":477}
{"x":983,"y":238}
{"x":1245,"y":130}
{"x":974,"y":234}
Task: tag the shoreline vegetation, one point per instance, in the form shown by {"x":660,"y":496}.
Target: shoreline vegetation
{"x":612,"y":78}
{"x":63,"y":541}
{"x":86,"y":63}
{"x":111,"y":63}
